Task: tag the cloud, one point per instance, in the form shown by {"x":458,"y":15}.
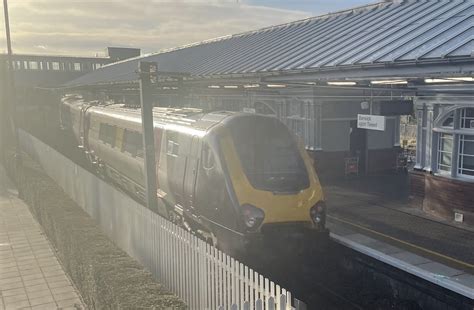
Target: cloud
{"x":86,"y":27}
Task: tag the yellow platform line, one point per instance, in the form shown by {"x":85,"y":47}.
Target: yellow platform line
{"x":422,"y":249}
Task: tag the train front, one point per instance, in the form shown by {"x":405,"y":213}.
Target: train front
{"x":279,"y":195}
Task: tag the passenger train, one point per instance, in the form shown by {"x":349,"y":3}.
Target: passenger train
{"x":233,"y":178}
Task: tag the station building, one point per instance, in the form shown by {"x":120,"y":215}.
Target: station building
{"x":318,"y":75}
{"x":51,"y":70}
{"x":443,"y":180}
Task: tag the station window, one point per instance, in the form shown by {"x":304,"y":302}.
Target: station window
{"x":466,"y":156}
{"x":132,"y":143}
{"x":25,"y":64}
{"x":108,"y":134}
{"x":55,"y":65}
{"x":33,"y":65}
{"x":77,"y":66}
{"x":449,"y":121}
{"x":445,"y":152}
{"x":467,"y":118}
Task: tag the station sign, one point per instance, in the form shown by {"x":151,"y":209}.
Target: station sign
{"x":371,"y":122}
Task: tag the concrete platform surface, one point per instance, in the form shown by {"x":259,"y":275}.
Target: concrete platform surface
{"x":31,"y":276}
{"x":380,"y":207}
{"x":374,"y":218}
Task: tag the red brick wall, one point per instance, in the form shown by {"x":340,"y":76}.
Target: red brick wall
{"x":446,"y":195}
{"x":417,"y":187}
{"x":442,"y":196}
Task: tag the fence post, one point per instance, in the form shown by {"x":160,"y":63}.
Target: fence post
{"x":282,"y":302}
{"x":271,"y":303}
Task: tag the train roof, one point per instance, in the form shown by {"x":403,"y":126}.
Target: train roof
{"x":193,"y":118}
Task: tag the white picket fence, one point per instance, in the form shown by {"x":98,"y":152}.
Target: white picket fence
{"x":203,"y":276}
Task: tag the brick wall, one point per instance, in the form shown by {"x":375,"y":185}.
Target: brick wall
{"x":443,"y":196}
{"x":417,"y":187}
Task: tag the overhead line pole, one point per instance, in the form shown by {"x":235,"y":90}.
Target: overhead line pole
{"x":10,"y":104}
{"x":148,"y":74}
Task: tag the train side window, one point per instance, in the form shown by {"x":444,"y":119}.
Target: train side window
{"x":108,"y":134}
{"x":208,"y":161}
{"x":172,"y":148}
{"x":132,"y":143}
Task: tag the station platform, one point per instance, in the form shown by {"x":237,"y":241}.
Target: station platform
{"x":373,"y":216}
{"x":31,"y":276}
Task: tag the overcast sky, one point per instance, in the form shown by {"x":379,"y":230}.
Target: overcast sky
{"x":86,"y":27}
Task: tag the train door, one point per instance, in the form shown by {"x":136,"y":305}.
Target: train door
{"x":176,"y":151}
{"x":192,"y":165}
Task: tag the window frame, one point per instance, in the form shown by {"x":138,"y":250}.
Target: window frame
{"x":441,"y":152}
{"x":459,"y":133}
{"x":135,"y":149}
{"x":464,"y":118}
{"x":462,"y":155}
{"x":108,"y":134}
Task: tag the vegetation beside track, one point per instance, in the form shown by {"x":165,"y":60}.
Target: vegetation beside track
{"x":106,"y":277}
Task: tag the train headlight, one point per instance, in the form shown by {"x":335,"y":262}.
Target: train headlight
{"x":253,"y":216}
{"x":318,"y":214}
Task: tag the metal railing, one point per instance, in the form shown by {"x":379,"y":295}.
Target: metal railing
{"x":200,"y":274}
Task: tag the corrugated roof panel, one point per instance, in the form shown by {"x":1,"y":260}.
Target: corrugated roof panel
{"x":294,"y":48}
{"x":398,"y":31}
{"x":360,"y":41}
{"x":446,"y":48}
{"x":252,"y":57}
{"x":240,"y":53}
{"x":465,"y":49}
{"x":436,"y":37}
{"x":430,"y":37}
{"x":323,"y":41}
{"x":396,"y":37}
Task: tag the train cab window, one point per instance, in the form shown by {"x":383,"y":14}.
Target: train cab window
{"x":108,"y":134}
{"x":208,"y":161}
{"x":133,"y":143}
{"x":269,"y":155}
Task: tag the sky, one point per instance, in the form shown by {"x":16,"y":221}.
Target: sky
{"x":86,"y":27}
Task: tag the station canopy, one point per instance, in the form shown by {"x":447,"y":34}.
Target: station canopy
{"x":391,"y":34}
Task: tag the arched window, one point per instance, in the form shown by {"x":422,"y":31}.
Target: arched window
{"x":449,"y":121}
{"x":455,"y":138}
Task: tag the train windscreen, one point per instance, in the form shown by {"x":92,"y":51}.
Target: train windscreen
{"x":269,"y":154}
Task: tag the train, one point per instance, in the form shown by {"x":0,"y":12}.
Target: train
{"x":236,"y":179}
